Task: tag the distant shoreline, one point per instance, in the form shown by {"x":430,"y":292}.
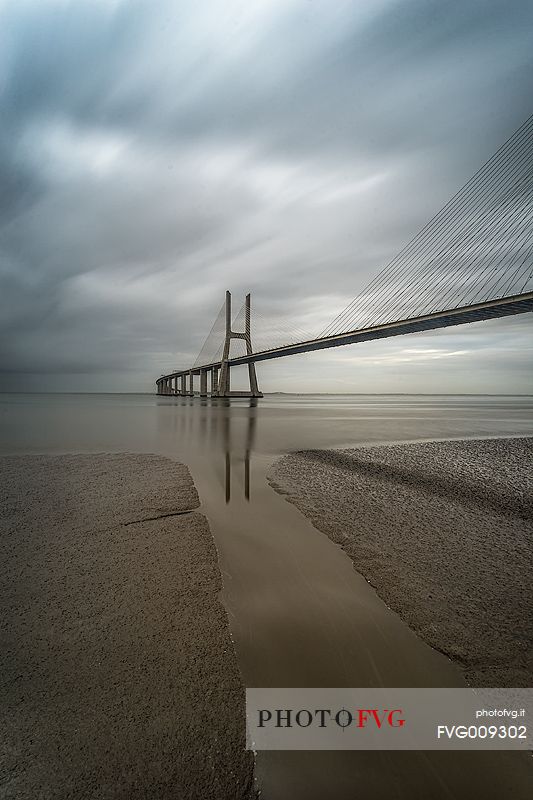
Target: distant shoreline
{"x":294,"y":394}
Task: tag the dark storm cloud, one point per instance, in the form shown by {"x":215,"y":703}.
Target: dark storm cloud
{"x":152,"y":155}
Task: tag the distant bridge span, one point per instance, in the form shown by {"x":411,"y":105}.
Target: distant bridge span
{"x":473,"y":261}
{"x":176,"y":382}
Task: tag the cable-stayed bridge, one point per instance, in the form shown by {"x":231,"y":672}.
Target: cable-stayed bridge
{"x":472,"y":261}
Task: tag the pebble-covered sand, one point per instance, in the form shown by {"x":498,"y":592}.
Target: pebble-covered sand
{"x":118,"y":675}
{"x":444,"y":532}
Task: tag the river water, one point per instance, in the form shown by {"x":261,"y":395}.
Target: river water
{"x":299,"y":613}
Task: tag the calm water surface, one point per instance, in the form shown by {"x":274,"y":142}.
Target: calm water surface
{"x":300,"y":615}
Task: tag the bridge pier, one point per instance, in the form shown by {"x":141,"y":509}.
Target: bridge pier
{"x":214,"y":381}
{"x":253,"y":381}
{"x":203,"y":383}
{"x":183,"y":390}
{"x":224,"y":380}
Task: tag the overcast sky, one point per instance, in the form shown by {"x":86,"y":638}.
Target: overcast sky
{"x":154,"y":154}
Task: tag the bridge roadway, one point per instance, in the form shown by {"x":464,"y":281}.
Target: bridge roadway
{"x":491,"y":309}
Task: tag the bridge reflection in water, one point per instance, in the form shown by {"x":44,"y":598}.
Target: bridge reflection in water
{"x":220,"y":431}
{"x":249,"y":436}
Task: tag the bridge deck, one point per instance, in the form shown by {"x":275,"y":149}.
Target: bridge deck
{"x":502,"y":307}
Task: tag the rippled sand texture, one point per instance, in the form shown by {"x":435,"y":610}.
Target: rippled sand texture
{"x":443,"y":531}
{"x":119,"y":675}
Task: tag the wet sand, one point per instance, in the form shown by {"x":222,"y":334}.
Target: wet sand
{"x":443,"y":531}
{"x":119,"y":676}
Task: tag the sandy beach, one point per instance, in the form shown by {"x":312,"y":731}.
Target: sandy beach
{"x":119,"y":676}
{"x":443,"y":532}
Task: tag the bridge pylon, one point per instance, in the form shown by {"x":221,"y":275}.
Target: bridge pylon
{"x":224,"y":381}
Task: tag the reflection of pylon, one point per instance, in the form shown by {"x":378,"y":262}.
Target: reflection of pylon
{"x":224,"y":385}
{"x":248,"y":447}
